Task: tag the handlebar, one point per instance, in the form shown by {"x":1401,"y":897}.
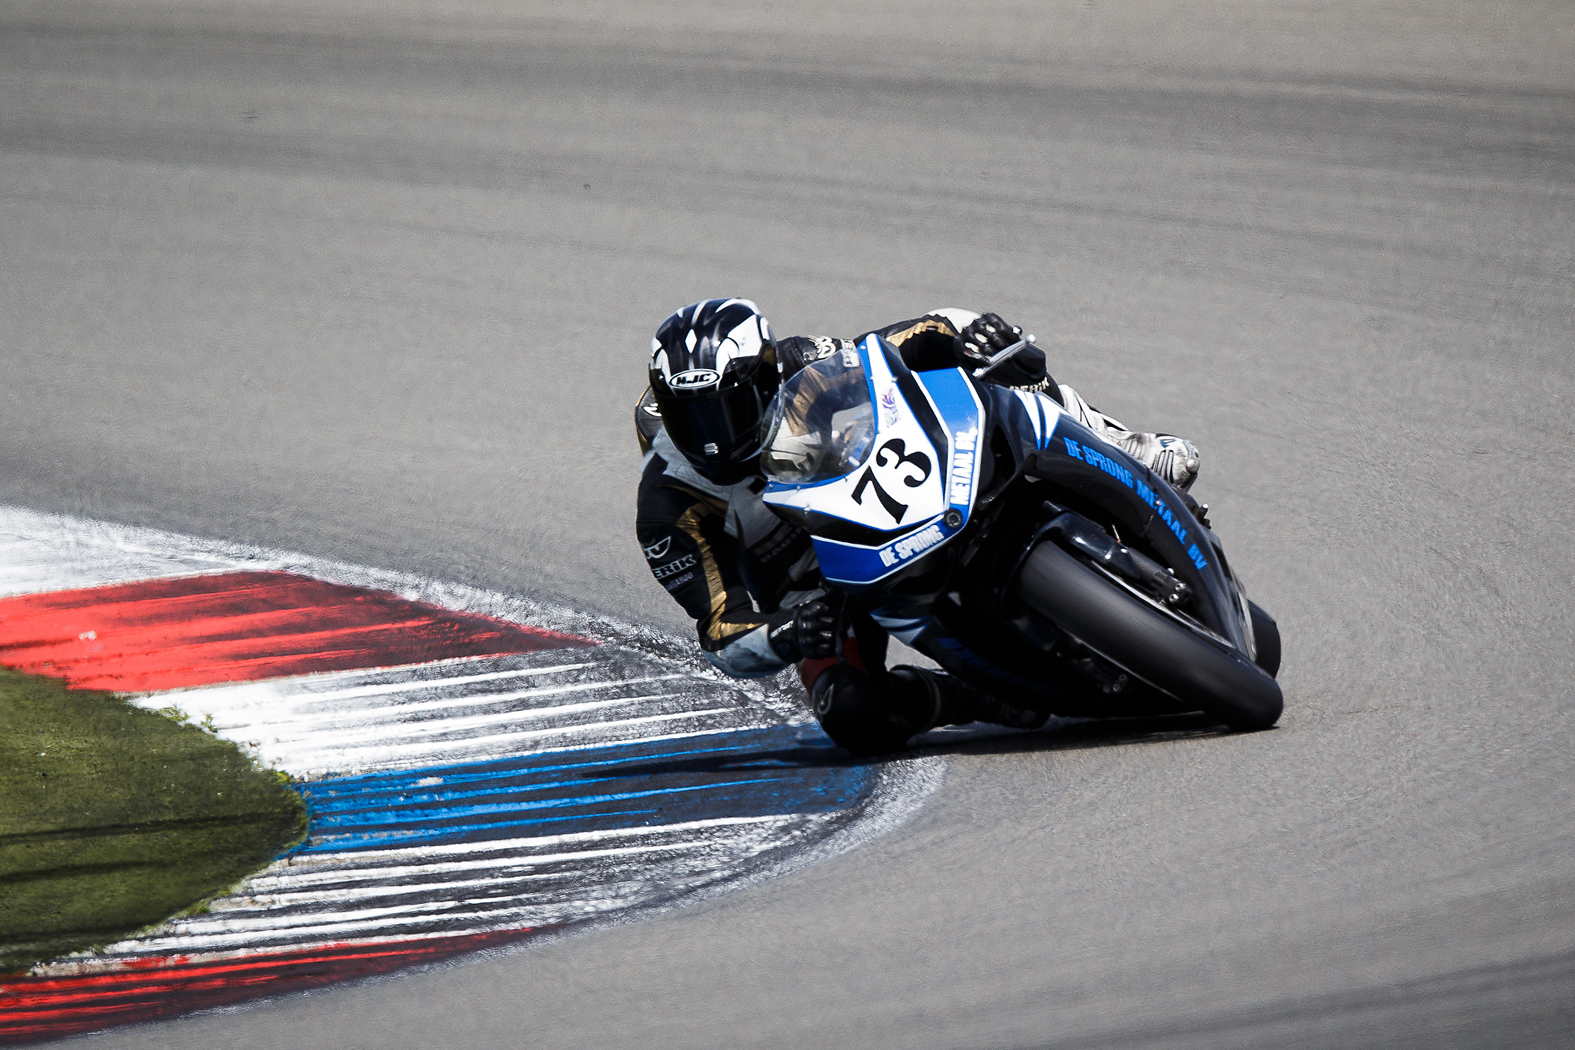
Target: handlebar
{"x":1001,"y":358}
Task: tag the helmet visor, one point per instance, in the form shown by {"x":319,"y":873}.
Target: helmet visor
{"x":724,"y":425}
{"x":822,"y":423}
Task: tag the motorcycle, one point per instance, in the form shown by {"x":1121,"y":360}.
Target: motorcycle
{"x":988,"y":529}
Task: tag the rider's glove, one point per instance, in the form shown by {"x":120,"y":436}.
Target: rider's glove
{"x":807,"y":631}
{"x":796,"y":351}
{"x":987,"y":336}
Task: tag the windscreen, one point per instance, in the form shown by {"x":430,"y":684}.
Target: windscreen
{"x":821,"y":424}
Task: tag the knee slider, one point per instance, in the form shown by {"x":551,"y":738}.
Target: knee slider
{"x":858,"y":714}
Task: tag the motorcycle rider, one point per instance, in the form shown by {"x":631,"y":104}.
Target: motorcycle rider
{"x":748,"y":578}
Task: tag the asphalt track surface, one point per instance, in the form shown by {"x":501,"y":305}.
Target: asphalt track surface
{"x":374,"y":282}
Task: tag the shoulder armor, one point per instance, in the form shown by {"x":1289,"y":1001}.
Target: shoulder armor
{"x":647,"y":420}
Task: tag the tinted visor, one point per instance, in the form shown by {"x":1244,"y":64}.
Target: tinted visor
{"x":728,"y":419}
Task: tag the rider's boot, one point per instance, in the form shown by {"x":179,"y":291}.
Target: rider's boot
{"x":1172,"y":458}
{"x":953,"y":702}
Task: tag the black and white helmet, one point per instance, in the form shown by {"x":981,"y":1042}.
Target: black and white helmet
{"x":713,"y":372}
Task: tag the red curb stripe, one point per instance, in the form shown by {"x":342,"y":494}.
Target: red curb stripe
{"x":36,"y":1008}
{"x":240,"y":626}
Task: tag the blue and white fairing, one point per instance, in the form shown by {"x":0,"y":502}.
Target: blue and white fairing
{"x":903,"y":493}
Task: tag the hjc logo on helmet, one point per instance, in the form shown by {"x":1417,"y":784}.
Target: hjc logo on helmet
{"x":694,"y":378}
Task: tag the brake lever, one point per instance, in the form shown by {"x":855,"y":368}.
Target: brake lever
{"x":995,"y":360}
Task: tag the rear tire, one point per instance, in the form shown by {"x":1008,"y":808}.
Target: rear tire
{"x":1200,"y":673}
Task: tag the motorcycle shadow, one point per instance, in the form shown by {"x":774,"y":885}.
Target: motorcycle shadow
{"x":813,"y":751}
{"x":1067,"y":734}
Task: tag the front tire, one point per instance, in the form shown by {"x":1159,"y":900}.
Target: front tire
{"x":1202,"y":674}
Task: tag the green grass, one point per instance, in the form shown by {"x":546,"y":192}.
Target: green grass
{"x":113,"y":818}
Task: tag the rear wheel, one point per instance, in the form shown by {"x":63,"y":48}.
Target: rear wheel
{"x":1202,"y":674}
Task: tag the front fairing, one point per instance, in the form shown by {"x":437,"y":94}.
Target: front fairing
{"x":915,"y":489}
{"x":889,"y":525}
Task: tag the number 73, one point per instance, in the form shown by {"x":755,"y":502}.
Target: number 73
{"x":898,"y":455}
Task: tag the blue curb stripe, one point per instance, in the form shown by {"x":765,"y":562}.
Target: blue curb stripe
{"x":744,"y":773}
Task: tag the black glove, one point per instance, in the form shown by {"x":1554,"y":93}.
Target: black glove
{"x":807,"y":631}
{"x":987,"y":336}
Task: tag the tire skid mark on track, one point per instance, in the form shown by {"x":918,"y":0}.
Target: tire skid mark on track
{"x":479,"y":769}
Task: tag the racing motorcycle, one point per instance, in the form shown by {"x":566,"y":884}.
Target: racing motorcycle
{"x":988,"y":529}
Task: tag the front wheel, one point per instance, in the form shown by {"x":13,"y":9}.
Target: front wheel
{"x":1202,"y":674}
